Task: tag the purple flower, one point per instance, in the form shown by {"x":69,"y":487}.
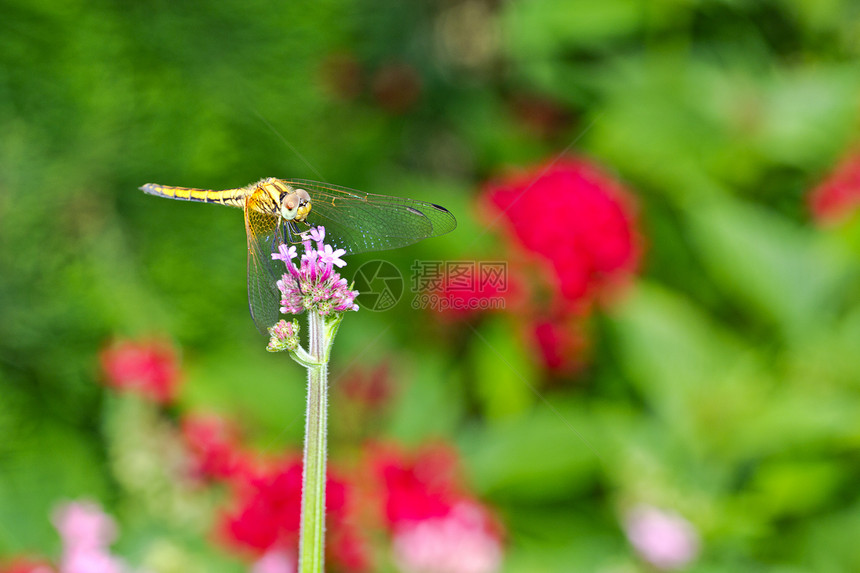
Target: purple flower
{"x":285,"y":253}
{"x":313,"y":284}
{"x":317,"y":234}
{"x":664,"y":539}
{"x":332,"y":257}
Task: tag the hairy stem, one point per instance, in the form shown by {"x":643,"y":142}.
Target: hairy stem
{"x":312,"y":535}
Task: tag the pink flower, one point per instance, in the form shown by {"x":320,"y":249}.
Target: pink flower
{"x":148,"y":368}
{"x":664,"y":539}
{"x":86,"y":533}
{"x":329,"y":256}
{"x":83,"y":525}
{"x":314,"y":284}
{"x":283,"y":336}
{"x":85,"y":561}
{"x":275,"y":561}
{"x":838,"y":195}
{"x":464,"y":541}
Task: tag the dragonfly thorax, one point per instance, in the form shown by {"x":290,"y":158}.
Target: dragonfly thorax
{"x":277,"y":197}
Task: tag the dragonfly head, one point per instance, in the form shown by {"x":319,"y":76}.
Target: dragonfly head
{"x":295,"y":205}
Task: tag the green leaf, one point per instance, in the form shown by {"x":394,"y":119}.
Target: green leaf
{"x":547,"y":455}
{"x":779,"y":271}
{"x":506,"y":377}
{"x":538,"y":29}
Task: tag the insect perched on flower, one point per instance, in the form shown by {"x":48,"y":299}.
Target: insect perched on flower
{"x":279,"y":211}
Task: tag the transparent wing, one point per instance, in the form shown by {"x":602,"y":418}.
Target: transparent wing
{"x":264,"y":236}
{"x":360,"y":222}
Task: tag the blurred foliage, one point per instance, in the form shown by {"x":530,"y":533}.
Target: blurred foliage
{"x":725,"y":385}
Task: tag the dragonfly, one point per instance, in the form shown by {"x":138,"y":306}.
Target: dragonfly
{"x":279,"y":211}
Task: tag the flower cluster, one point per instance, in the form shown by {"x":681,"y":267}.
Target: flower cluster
{"x":838,"y":195}
{"x":147,"y":368}
{"x":435,"y":525}
{"x":430,"y":522}
{"x":314,"y":284}
{"x":283,"y":336}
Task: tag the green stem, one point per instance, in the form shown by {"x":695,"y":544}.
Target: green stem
{"x":312,"y":535}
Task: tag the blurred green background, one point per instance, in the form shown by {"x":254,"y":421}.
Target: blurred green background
{"x":724,"y":385}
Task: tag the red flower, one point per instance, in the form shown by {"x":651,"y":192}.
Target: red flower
{"x":417,"y":487}
{"x":267,"y":510}
{"x":26,"y":565}
{"x":147,"y":368}
{"x":213,"y":445}
{"x":396,"y":87}
{"x":574,"y":227}
{"x":539,"y":115}
{"x":435,"y":525}
{"x":369,"y":387}
{"x":838,"y":196}
{"x":561,"y":343}
{"x":342,"y":76}
{"x":576,"y":217}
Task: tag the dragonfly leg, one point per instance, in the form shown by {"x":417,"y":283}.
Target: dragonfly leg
{"x":303,"y":235}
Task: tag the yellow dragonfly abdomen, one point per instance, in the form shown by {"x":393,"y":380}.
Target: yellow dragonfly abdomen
{"x":231,"y":197}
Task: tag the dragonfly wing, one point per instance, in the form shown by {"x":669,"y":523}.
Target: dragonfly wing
{"x":359,"y":222}
{"x":264,"y":236}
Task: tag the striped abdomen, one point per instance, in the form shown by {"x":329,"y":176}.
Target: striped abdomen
{"x":231,"y":197}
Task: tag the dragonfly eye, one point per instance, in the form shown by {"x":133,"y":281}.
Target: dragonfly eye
{"x":304,"y":205}
{"x":290,"y":206}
